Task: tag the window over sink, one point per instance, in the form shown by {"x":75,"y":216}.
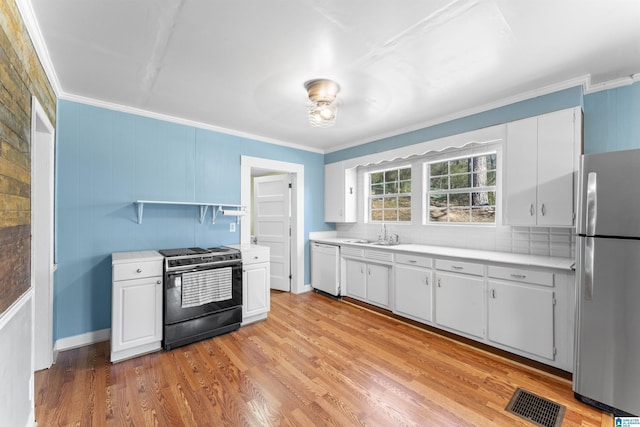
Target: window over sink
{"x":389,"y":195}
{"x":461,"y":190}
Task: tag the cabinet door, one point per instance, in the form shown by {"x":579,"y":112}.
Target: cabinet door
{"x":137,"y":312}
{"x":521,"y":317}
{"x":521,"y":172}
{"x":355,"y":276}
{"x":333,"y":194}
{"x":556,"y":168}
{"x":339,"y":193}
{"x":256,"y":292}
{"x":459,"y":303}
{"x":413,"y":291}
{"x":378,"y":284}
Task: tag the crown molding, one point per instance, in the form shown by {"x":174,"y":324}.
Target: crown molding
{"x":584,"y":81}
{"x":611,"y":84}
{"x":31,"y":23}
{"x":181,"y":121}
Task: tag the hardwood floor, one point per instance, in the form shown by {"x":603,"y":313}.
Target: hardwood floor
{"x":314,"y":361}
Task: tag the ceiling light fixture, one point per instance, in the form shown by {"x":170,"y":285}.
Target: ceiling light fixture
{"x":322,"y":102}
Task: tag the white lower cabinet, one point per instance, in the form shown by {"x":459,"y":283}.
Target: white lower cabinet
{"x":460,"y":302}
{"x":521,"y":314}
{"x":366,"y":280}
{"x":256,"y":288}
{"x":526,"y":310}
{"x":413,"y":287}
{"x":136,"y":306}
{"x":378,"y":284}
{"x":356,"y":279}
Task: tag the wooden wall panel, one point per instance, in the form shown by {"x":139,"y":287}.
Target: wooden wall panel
{"x":21,"y":77}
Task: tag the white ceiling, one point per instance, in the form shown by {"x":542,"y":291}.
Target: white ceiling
{"x":240,"y":66}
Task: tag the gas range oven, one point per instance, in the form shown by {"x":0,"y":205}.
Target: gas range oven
{"x":202,"y":294}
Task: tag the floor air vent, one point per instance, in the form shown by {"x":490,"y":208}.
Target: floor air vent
{"x":536,"y":409}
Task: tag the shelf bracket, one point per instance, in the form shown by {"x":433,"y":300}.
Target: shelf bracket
{"x":203,"y":212}
{"x":215,"y":211}
{"x":140,"y":209}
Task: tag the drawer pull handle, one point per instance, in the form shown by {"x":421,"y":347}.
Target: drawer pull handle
{"x":426,"y":280}
{"x":139,"y":270}
{"x":457,"y":267}
{"x":518,"y":276}
{"x":493,"y":293}
{"x":255,"y":257}
{"x":439,"y":284}
{"x":412,"y":261}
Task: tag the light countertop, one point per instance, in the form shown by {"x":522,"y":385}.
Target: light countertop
{"x":122,"y":257}
{"x":470,"y":254}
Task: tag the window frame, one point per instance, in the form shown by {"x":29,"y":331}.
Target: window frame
{"x":452,"y":156}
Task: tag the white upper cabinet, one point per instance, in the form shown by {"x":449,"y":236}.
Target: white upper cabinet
{"x":339,"y":193}
{"x":541,"y":160}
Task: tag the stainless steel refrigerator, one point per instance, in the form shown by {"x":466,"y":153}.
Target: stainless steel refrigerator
{"x":607,"y":353}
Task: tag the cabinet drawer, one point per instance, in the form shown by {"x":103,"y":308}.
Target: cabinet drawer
{"x":460,"y":267}
{"x":137,"y":270}
{"x":420,"y":261}
{"x":351,"y":251}
{"x":378,"y":255}
{"x":254,"y":256}
{"x":544,"y":278}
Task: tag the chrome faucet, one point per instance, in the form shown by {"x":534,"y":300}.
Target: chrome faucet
{"x":382,"y":237}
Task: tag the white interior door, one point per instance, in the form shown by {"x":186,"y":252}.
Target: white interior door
{"x":271,"y":219}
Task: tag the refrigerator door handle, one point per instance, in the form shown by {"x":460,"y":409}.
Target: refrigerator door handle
{"x":592,"y":204}
{"x":588,"y":268}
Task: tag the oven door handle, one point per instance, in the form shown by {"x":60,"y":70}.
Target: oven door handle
{"x":217,"y":264}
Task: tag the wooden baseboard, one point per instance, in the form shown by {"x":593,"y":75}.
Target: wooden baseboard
{"x":481,"y":346}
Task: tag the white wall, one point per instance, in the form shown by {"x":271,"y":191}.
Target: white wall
{"x":16,"y":373}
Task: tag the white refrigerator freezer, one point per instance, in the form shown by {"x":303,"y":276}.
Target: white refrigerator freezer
{"x":607,"y":354}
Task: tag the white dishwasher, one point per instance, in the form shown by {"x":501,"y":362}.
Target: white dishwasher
{"x":325,"y":268}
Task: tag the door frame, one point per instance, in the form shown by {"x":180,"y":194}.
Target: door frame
{"x":247,"y":165}
{"x":42,"y":193}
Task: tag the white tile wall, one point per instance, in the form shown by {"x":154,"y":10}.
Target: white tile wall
{"x":545,"y":241}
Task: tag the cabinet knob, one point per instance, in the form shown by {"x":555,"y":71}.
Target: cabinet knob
{"x":158,"y":281}
{"x":255,"y":257}
{"x":139,"y":270}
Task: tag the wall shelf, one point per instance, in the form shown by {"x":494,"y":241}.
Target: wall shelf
{"x":216,"y":208}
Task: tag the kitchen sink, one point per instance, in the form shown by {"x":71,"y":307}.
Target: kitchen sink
{"x":385,"y":243}
{"x":358,"y":241}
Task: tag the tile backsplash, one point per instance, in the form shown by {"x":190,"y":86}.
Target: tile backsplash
{"x":544,"y":241}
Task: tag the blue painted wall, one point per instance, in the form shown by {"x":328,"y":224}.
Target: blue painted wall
{"x":106,"y":160}
{"x":612,"y":119}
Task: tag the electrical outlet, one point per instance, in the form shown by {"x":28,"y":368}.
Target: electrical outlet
{"x":232,"y":227}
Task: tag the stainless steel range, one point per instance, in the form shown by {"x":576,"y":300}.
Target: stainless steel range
{"x":202,"y":294}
